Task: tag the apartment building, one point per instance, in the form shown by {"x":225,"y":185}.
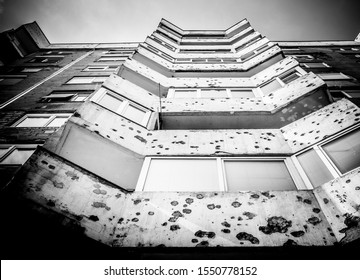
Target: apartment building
{"x":190,"y":139}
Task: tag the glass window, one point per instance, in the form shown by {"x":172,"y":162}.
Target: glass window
{"x":314,"y":168}
{"x":31,"y":70}
{"x":134,"y":114}
{"x":345,"y":151}
{"x":113,"y":58}
{"x":33,"y":121}
{"x":182,"y":175}
{"x":289,"y":77}
{"x":257,"y":175}
{"x":58,"y":121}
{"x":110,"y":102}
{"x":333,"y":76}
{"x":86,"y":80}
{"x":10,"y":81}
{"x":18,"y":156}
{"x":271,"y":87}
{"x":213,"y":93}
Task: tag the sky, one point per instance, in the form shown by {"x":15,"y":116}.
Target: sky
{"x":96,"y":21}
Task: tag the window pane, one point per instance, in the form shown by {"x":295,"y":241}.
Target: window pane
{"x":110,"y":102}
{"x":18,"y":156}
{"x":257,"y":175}
{"x":81,"y":80}
{"x":270,"y":87}
{"x":185,"y":94}
{"x":58,"y":121}
{"x":333,"y":76}
{"x":290,"y":77}
{"x":238,"y":93}
{"x":182,"y":175}
{"x":33,"y":122}
{"x":314,"y":168}
{"x":345,"y":151}
{"x":134,"y":114}
{"x":213,"y":93}
{"x":3,"y":151}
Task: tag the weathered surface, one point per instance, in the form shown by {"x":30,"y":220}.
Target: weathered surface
{"x":117,"y":218}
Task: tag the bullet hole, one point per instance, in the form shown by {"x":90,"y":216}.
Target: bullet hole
{"x":50,"y":203}
{"x":297,"y":233}
{"x":51,"y":166}
{"x":187,"y":211}
{"x":299,"y":198}
{"x":290,"y":242}
{"x":137,"y":201}
{"x":175,"y":215}
{"x":135,"y":220}
{"x":72,"y":175}
{"x":93,"y":218}
{"x":98,"y":191}
{"x":314,"y":220}
{"x":141,"y":139}
{"x":276,"y":224}
{"x":236,"y":204}
{"x":151,"y":213}
{"x":211,"y":206}
{"x":326,"y":201}
{"x":164,"y":224}
{"x":225,"y":230}
{"x":203,"y":244}
{"x":225,"y":224}
{"x":174,"y":227}
{"x":113,"y":129}
{"x":194,"y":240}
{"x":189,"y":200}
{"x":120,"y":220}
{"x":316,"y":210}
{"x":347,"y":181}
{"x":202,"y":234}
{"x":247,"y":237}
{"x":249,"y":215}
{"x":58,"y":185}
{"x":307,"y":201}
{"x":199,"y":196}
{"x":174,"y":203}
{"x":255,"y":196}
{"x":44,"y":162}
{"x":267,"y":194}
{"x":100,"y":205}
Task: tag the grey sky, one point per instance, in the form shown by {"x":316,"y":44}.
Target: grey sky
{"x":132,"y":20}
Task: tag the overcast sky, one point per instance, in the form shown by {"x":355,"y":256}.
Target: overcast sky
{"x":132,"y":20}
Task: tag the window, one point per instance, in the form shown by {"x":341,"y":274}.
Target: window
{"x":333,"y":76}
{"x":15,"y":154}
{"x":254,"y":52}
{"x":120,"y":51}
{"x":31,"y":70}
{"x":280,"y":81}
{"x":302,"y":56}
{"x":122,"y":106}
{"x":66,"y":96}
{"x":100,"y":68}
{"x":46,"y":59}
{"x":210,"y":93}
{"x":316,"y":65}
{"x":330,"y":158}
{"x":113,"y":58}
{"x":42,"y":120}
{"x":257,"y":175}
{"x":87,"y":80}
{"x":217,"y":174}
{"x":11,"y":80}
{"x":352,"y":94}
{"x":58,"y":52}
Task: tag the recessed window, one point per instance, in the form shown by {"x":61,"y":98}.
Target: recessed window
{"x":31,"y":70}
{"x":242,"y":93}
{"x":289,"y":77}
{"x":184,"y":93}
{"x":46,"y":59}
{"x":271,"y":87}
{"x":213,"y":93}
{"x":113,"y":58}
{"x":10,"y":80}
{"x":333,"y":76}
{"x":42,"y":120}
{"x":257,"y":175}
{"x":101,"y":68}
{"x":344,"y":152}
{"x":302,"y":56}
{"x":58,"y":52}
{"x":215,"y":174}
{"x":122,"y":106}
{"x":316,"y":65}
{"x":330,"y":158}
{"x":15,"y":154}
{"x":280,"y":82}
{"x":66,"y":96}
{"x":87,"y":80}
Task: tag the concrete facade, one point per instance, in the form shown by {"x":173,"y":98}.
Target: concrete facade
{"x":187,"y":140}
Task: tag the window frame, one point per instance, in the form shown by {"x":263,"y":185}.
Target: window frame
{"x":45,"y":58}
{"x":340,"y":74}
{"x":92,"y":80}
{"x":12,"y":147}
{"x":51,"y":118}
{"x":329,"y":164}
{"x":74,"y":95}
{"x":101,"y":68}
{"x":220,"y":163}
{"x":125,"y":103}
